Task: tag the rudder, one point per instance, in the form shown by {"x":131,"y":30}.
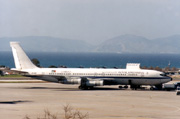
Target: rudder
{"x":21,"y":60}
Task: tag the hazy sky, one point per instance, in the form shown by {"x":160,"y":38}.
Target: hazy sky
{"x":90,"y":20}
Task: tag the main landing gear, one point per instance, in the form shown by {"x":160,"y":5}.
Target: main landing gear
{"x":125,"y":87}
{"x":86,"y":87}
{"x":135,"y":87}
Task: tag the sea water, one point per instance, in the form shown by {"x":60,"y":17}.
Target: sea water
{"x":108,"y":60}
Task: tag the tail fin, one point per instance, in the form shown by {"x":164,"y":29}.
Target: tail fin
{"x":21,"y":60}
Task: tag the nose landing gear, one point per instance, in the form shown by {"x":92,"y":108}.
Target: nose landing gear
{"x":156,"y":87}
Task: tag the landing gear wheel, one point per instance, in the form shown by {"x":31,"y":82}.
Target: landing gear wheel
{"x":151,"y":88}
{"x":120,"y":87}
{"x":159,"y":87}
{"x":86,"y":87}
{"x":80,"y":87}
{"x":90,"y":87}
{"x":178,"y":93}
{"x":126,"y":87}
{"x":135,"y":87}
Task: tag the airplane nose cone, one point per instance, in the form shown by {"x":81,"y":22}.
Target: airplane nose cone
{"x":171,"y":79}
{"x":166,"y":79}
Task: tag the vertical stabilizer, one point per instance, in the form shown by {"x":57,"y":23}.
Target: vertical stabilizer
{"x":21,"y":60}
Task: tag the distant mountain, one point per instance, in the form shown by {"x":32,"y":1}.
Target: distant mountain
{"x":124,"y":44}
{"x":138,"y":44}
{"x":121,"y":44}
{"x":169,"y":44}
{"x":47,"y":44}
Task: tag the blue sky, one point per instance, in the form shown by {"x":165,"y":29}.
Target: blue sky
{"x":89,"y":20}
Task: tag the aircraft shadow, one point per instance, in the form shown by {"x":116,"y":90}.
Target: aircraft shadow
{"x":14,"y":102}
{"x":72,"y":89}
{"x":45,"y":88}
{"x":94,"y":89}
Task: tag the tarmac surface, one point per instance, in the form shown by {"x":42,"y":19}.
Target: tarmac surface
{"x":20,"y":99}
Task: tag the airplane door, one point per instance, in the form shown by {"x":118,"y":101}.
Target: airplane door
{"x":142,"y":74}
{"x":95,"y":74}
{"x":103,"y":74}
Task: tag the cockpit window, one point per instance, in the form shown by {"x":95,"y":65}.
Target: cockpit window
{"x":163,"y":74}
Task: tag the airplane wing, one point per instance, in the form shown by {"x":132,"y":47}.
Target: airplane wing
{"x":86,"y":81}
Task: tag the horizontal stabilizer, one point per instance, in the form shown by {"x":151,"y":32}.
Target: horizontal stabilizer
{"x":17,"y":70}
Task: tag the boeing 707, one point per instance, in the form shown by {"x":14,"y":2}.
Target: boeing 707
{"x":87,"y":78}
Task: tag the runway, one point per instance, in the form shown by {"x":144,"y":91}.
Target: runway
{"x":20,"y":99}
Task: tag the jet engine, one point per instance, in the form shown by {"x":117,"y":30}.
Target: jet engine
{"x":82,"y":81}
{"x":94,"y":83}
{"x":71,"y":81}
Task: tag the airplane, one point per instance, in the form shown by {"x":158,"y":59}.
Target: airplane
{"x":88,"y":78}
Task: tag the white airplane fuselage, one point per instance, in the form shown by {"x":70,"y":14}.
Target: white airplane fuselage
{"x":121,"y":76}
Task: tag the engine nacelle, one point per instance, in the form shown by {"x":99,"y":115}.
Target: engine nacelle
{"x":84,"y":82}
{"x":71,"y":81}
{"x":94,"y":83}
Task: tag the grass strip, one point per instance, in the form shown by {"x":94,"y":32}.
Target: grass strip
{"x":12,"y":76}
{"x":23,"y":82}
